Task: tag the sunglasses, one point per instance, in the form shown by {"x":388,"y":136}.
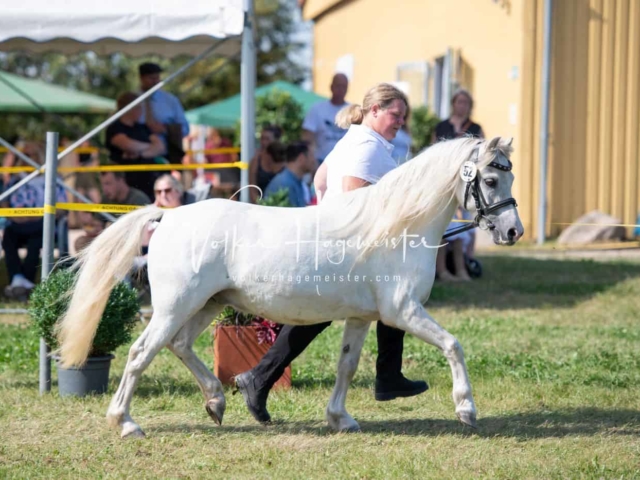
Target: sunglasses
{"x":163,"y":190}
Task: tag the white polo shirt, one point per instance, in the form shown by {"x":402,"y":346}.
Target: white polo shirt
{"x":361,"y":153}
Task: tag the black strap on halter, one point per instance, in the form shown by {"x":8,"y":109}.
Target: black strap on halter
{"x":482,"y":208}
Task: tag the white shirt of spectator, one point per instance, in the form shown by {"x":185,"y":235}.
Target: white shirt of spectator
{"x":321,"y":120}
{"x":402,"y":143}
{"x":362,"y":153}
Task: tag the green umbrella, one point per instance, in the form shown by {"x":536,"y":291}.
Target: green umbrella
{"x":225,"y":113}
{"x":52,"y":98}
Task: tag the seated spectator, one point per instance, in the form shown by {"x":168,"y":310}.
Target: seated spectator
{"x":132,"y":143}
{"x":9,"y":159}
{"x":170,"y":193}
{"x":267,"y":162}
{"x":459,"y":124}
{"x":25,"y":231}
{"x":115,"y":190}
{"x":300,"y":161}
{"x":224,"y":175}
{"x":460,"y":246}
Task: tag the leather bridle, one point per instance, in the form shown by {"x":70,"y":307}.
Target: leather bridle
{"x":482,"y":207}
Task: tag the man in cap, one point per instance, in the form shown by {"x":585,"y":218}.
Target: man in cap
{"x":163,"y":112}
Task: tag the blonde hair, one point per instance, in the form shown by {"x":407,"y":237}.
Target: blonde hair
{"x":382,"y":94}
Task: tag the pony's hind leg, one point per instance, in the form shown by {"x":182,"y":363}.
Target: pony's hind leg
{"x":182,"y":346}
{"x":355,"y":332}
{"x":413,"y":318}
{"x":160,"y":330}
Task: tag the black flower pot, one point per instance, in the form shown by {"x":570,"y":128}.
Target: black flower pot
{"x":91,"y":378}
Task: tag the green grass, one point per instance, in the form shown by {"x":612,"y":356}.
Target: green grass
{"x":553,"y":351}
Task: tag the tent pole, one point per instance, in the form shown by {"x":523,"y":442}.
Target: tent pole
{"x":247,"y":97}
{"x":47,"y":244}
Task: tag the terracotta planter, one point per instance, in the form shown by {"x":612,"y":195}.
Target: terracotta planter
{"x":236,"y":350}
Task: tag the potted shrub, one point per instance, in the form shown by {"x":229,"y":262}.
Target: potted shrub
{"x":49,"y":302}
{"x":240,"y":341}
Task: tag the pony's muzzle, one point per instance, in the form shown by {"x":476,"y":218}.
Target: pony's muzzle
{"x":513,"y":235}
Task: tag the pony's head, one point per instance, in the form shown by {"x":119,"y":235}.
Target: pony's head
{"x":485,"y":190}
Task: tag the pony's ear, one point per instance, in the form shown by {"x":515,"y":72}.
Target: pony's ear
{"x":507,"y":141}
{"x":493,"y":143}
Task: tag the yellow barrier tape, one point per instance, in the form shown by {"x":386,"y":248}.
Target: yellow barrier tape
{"x":21,"y":212}
{"x":50,"y":209}
{"x":16,"y":169}
{"x":154,"y":167}
{"x":83,"y":207}
{"x":78,"y":207}
{"x":206,"y":151}
{"x":60,"y":149}
{"x":209,"y":151}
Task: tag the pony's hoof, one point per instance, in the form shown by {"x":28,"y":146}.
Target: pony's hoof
{"x":215,"y":408}
{"x":132,"y":432}
{"x":468,"y":419}
{"x":343,"y":423}
{"x":354,"y":428}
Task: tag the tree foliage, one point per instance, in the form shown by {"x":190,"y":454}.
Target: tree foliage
{"x":423,"y":125}
{"x":281,"y":109}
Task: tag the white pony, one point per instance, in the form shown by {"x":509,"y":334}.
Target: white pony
{"x":363,"y":256}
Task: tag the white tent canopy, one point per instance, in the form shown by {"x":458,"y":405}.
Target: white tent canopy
{"x":133,"y":27}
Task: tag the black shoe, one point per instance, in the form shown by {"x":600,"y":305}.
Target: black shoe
{"x":398,"y":387}
{"x":254,"y":397}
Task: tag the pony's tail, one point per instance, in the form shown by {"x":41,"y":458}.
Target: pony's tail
{"x":101,"y":266}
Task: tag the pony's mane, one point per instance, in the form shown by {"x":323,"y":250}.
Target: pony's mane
{"x":420,"y":188}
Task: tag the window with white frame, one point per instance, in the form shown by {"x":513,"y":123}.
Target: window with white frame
{"x":443,"y":85}
{"x":430,"y":84}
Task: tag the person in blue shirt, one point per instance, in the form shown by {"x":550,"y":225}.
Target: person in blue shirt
{"x":163,"y":112}
{"x":300,"y":161}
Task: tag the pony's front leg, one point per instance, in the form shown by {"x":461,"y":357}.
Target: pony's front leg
{"x":413,"y":318}
{"x":355,"y":331}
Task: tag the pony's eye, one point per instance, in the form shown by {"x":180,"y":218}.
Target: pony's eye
{"x":491,"y":182}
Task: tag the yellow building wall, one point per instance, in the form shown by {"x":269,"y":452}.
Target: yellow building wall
{"x":594,"y":128}
{"x":381,"y":34}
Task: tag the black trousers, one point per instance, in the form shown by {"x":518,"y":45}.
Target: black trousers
{"x":15,"y":236}
{"x":292,"y":341}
